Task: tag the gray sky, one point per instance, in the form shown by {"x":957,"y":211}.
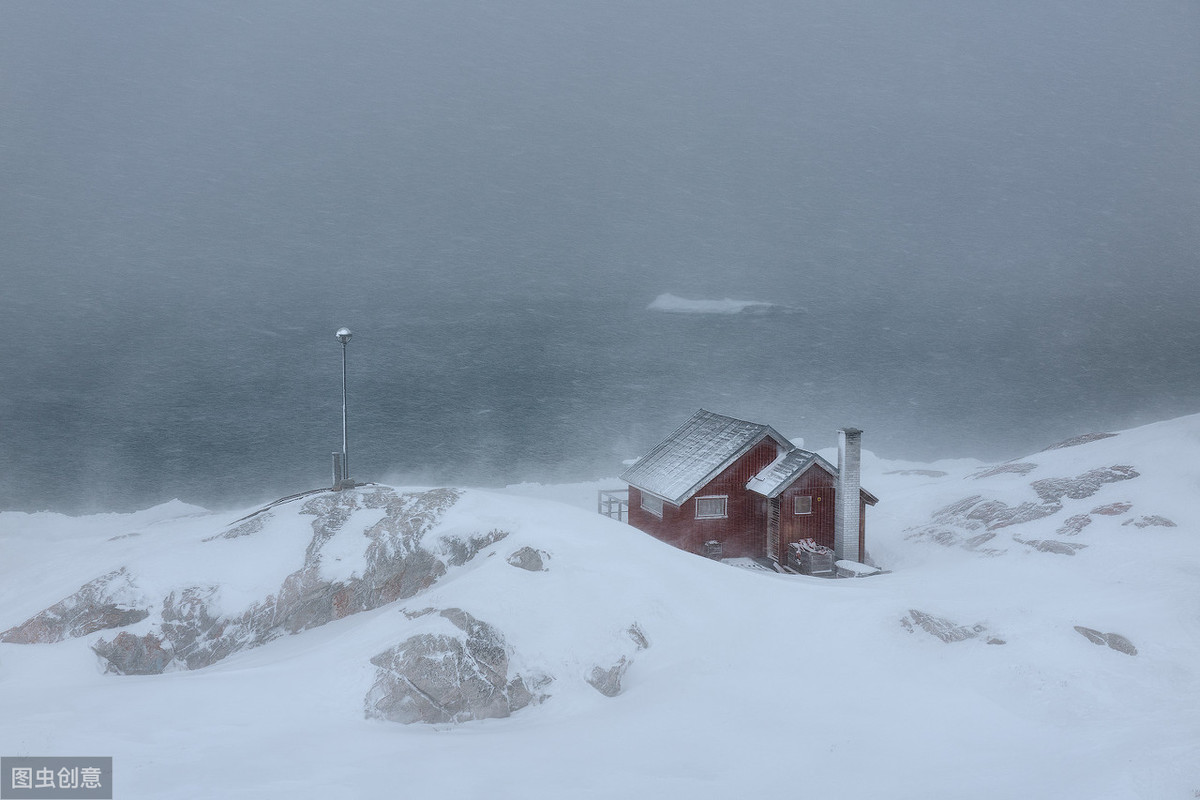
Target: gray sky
{"x":1000,"y":196}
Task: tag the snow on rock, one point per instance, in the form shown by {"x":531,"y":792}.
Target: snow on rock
{"x":379,"y":532}
{"x":1114,"y":640}
{"x":110,"y":601}
{"x":941,"y":627}
{"x":972,"y":522}
{"x":1152,"y":521}
{"x":673,"y":304}
{"x":450,"y":677}
{"x":607,"y":681}
{"x":529,"y":559}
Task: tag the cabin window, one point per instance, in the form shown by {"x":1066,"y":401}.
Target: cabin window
{"x":715,"y":507}
{"x":652,"y":504}
{"x":804,"y":504}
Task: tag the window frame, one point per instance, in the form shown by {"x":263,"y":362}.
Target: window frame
{"x":652,"y":509}
{"x":796,"y":505}
{"x":724,"y":498}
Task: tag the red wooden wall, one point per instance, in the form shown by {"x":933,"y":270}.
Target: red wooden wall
{"x":818,"y":525}
{"x":741,"y":533}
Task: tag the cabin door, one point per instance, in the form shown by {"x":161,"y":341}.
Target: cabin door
{"x":773,"y":530}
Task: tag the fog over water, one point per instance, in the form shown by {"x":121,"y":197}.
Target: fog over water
{"x":985,"y":214}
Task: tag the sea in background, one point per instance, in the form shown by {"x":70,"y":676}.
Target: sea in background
{"x":120,"y":406}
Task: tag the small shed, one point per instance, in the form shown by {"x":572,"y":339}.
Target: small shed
{"x":744,"y":485}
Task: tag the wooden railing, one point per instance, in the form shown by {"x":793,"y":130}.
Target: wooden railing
{"x":613,"y":503}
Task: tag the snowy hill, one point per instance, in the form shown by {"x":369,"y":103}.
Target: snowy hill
{"x":1038,"y":635}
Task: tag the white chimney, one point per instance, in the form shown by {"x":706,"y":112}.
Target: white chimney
{"x":849,"y":487}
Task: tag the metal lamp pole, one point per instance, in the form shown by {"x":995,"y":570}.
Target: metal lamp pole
{"x":343,"y":335}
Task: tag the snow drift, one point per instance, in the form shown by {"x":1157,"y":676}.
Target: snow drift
{"x":1011,"y":650}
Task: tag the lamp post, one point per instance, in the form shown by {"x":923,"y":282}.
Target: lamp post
{"x":343,"y":335}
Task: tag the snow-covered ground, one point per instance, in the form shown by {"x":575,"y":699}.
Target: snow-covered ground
{"x":959,"y":673}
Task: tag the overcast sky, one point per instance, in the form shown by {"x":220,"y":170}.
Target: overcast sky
{"x":178,"y":175}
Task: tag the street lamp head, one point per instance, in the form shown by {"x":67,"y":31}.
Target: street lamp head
{"x":343,"y":335}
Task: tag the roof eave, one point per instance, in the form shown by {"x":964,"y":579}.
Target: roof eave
{"x":769,"y":433}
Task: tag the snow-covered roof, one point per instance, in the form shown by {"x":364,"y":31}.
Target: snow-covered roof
{"x":779,"y":474}
{"x":695,"y":453}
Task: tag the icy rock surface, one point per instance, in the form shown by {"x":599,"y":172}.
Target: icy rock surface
{"x":944,"y":629}
{"x":438,"y":678}
{"x":191,"y":632}
{"x":974,"y":521}
{"x":608,"y":681}
{"x":110,"y":601}
{"x":530,"y":559}
{"x":1114,"y":640}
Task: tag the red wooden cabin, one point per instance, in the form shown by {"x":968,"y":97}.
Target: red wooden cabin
{"x":744,"y":485}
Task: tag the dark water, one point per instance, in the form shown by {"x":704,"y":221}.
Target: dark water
{"x":242,"y":403}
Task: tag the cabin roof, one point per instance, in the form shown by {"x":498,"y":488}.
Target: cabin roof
{"x":780,"y":473}
{"x":696,"y":452}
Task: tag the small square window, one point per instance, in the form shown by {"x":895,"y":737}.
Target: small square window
{"x":804,"y":504}
{"x":716,"y":507}
{"x":652,"y":504}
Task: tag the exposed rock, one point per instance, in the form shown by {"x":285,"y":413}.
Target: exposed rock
{"x":1094,"y":636}
{"x":110,"y":601}
{"x":1114,"y":640}
{"x":436,"y":678}
{"x":1051,"y":546}
{"x":1051,"y":490}
{"x":247,"y":527}
{"x":530,"y":559}
{"x":1012,"y":468}
{"x":940,"y":627}
{"x":638,"y":636}
{"x":608,"y":681}
{"x":974,"y":513}
{"x":1074,"y":525}
{"x":977,"y":513}
{"x":133,"y":655}
{"x":1153,"y":521}
{"x":1075,"y":441}
{"x":193,"y":633}
{"x":1112,"y":509}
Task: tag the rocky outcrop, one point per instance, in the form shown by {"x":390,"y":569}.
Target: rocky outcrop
{"x":1152,"y":521}
{"x":944,"y":629}
{"x":1114,"y":640}
{"x":1053,"y":490}
{"x":607,"y":681}
{"x":1075,"y":441}
{"x":529,"y":559}
{"x":191,"y":631}
{"x":968,"y":522}
{"x":1074,"y":525}
{"x":440,"y":678}
{"x":110,"y":601}
{"x":127,"y":654}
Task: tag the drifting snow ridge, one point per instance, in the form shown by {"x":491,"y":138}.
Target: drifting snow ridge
{"x":391,"y":560}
